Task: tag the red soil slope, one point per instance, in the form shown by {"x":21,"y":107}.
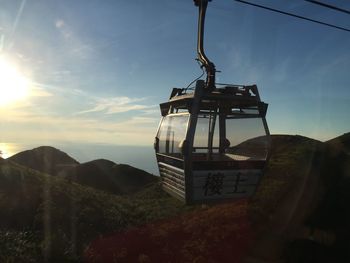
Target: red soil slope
{"x":221,"y":233}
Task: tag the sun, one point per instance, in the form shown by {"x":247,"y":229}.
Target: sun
{"x":13,"y":85}
{"x":7,"y":150}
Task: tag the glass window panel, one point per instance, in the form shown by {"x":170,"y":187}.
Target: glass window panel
{"x":201,"y":138}
{"x":247,"y":138}
{"x":171,"y":133}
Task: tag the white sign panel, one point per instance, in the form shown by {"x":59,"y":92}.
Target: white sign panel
{"x":220,"y":184}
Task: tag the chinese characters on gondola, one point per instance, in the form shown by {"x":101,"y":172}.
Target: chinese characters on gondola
{"x":214,"y":184}
{"x":239,"y":179}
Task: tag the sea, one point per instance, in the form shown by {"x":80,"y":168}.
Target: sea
{"x":141,"y":157}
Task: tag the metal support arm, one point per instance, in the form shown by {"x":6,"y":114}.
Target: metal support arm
{"x":204,"y":60}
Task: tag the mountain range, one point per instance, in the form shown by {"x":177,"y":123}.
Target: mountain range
{"x":45,"y":159}
{"x":101,"y":174}
{"x":55,"y":209}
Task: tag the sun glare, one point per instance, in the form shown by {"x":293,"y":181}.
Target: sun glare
{"x":13,"y":85}
{"x":6,"y":150}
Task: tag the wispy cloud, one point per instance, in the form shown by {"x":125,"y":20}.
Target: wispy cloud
{"x":76,"y":115}
{"x":38,"y":91}
{"x":63,"y":28}
{"x":41,"y":126}
{"x":77,"y":47}
{"x":59,"y":23}
{"x":118,"y":105}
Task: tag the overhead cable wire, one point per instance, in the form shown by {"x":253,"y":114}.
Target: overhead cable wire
{"x":189,"y":85}
{"x":293,"y":15}
{"x":329,"y":6}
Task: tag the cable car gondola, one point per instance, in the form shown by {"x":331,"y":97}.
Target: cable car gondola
{"x":213,"y":142}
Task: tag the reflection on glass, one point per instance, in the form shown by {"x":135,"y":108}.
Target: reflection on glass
{"x":171,"y":133}
{"x":202,"y":135}
{"x":247,"y":138}
{"x":243,"y":138}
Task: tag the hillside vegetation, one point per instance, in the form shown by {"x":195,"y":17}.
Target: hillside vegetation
{"x":49,"y":218}
{"x":100,"y":174}
{"x":106,"y":175}
{"x":45,"y":159}
{"x":301,"y":210}
{"x":342,"y":143}
{"x":300,"y":213}
{"x":277,"y":225}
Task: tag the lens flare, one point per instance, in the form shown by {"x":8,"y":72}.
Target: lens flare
{"x":7,"y":150}
{"x":13,"y":85}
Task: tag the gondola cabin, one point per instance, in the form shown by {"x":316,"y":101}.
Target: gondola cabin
{"x":212,"y":144}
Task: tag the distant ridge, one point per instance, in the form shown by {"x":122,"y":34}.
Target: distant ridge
{"x":341,"y":142}
{"x":77,"y":214}
{"x":45,"y":159}
{"x":111,"y":177}
{"x":100,"y":174}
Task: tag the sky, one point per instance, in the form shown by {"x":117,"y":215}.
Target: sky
{"x":97,"y":70}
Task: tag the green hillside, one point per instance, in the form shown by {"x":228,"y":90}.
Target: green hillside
{"x":301,"y":210}
{"x":45,"y":217}
{"x":108,"y":176}
{"x":342,"y":142}
{"x":100,"y":174}
{"x":282,"y":223}
{"x":300,"y":213}
{"x":45,"y":159}
{"x":292,"y":158}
